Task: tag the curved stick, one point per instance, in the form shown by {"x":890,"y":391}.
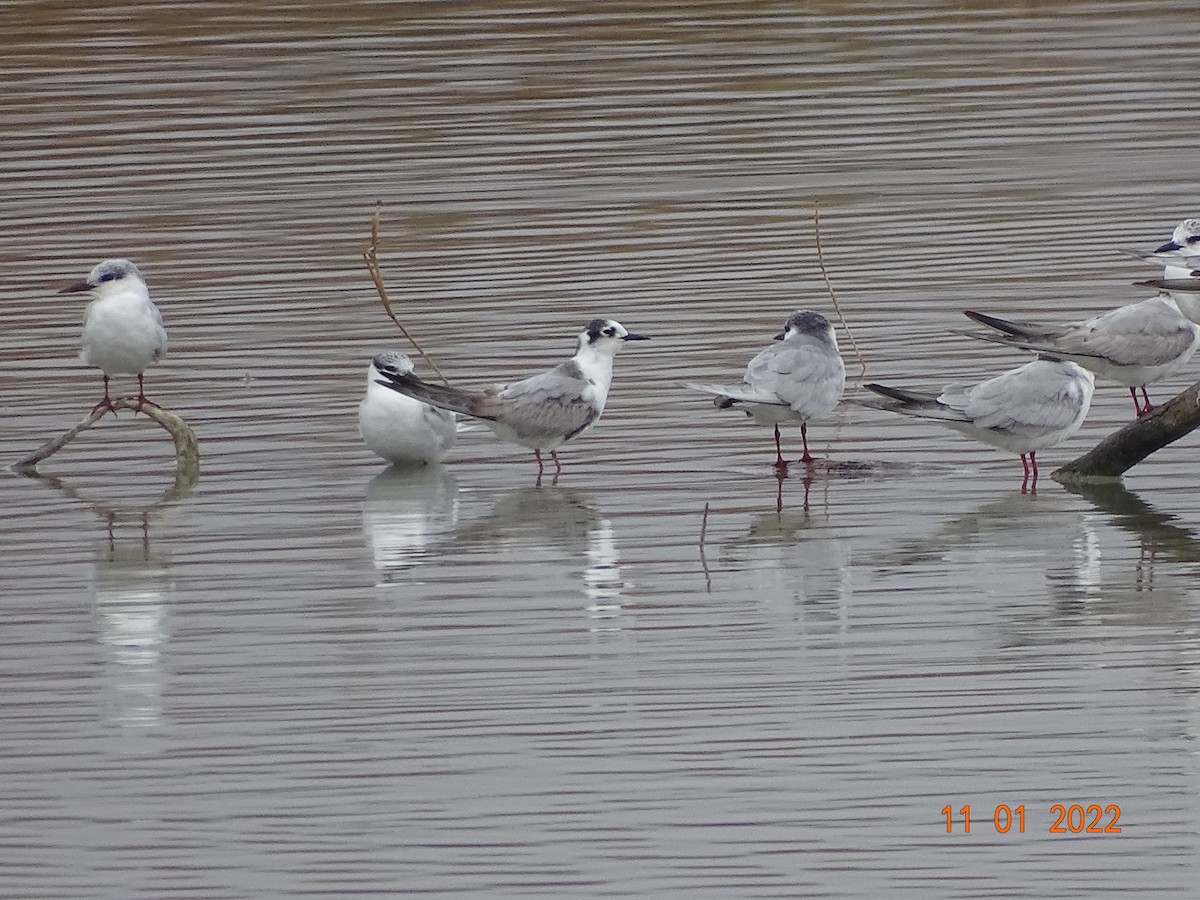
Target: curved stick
{"x":187,"y":448}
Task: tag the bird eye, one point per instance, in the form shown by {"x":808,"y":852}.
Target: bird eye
{"x":1193,"y":238}
{"x":610,"y":331}
{"x":108,"y":276}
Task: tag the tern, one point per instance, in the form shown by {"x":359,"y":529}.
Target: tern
{"x":1030,"y":408}
{"x":795,"y":380}
{"x":398,"y":428}
{"x":1133,"y":345}
{"x":540,"y":412}
{"x":122,"y":328}
{"x":1180,"y":259}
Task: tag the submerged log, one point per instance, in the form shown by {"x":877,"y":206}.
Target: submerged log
{"x":1128,"y":446}
{"x":187,"y":448}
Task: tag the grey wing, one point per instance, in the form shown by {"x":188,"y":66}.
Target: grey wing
{"x":161,"y":350}
{"x":1143,"y":334}
{"x":798,"y":371}
{"x":558,"y":403}
{"x":1036,"y":397}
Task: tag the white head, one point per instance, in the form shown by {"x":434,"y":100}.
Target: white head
{"x":109,"y":276}
{"x":1186,"y":236}
{"x":605,"y":336}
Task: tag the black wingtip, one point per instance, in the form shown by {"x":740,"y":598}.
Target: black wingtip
{"x":889,"y":392}
{"x":992,"y":322}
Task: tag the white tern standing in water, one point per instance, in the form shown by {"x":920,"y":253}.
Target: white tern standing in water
{"x":1023,"y":410}
{"x":542,"y":411}
{"x":398,"y":428}
{"x":796,"y":380}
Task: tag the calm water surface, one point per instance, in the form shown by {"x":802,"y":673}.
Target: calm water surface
{"x":309,"y":675}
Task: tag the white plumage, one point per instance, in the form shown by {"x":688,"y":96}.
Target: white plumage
{"x":540,"y":412}
{"x":398,"y":428}
{"x":1030,"y":408}
{"x":1133,"y":345}
{"x":122,"y":328}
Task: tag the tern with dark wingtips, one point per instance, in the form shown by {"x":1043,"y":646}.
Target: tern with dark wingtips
{"x":1133,"y":345}
{"x":540,"y":412}
{"x":1030,"y":408}
{"x":797,"y":379}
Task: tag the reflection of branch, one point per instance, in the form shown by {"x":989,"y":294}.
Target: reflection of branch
{"x":703,"y":560}
{"x":370,"y":255}
{"x":1131,"y":512}
{"x":187,"y":448}
{"x":113,"y":514}
{"x":829,"y":287}
{"x":1125,"y":448}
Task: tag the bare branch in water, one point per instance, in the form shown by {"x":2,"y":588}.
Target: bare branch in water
{"x":1128,"y":446}
{"x":187,"y":448}
{"x":371,"y":256}
{"x":829,"y":287}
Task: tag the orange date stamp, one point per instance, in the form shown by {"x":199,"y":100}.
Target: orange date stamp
{"x":1075,"y":818}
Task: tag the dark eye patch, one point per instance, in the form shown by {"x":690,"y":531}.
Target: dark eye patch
{"x":108,"y":276}
{"x":610,"y":331}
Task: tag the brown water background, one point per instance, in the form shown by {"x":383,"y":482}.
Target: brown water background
{"x":309,"y":676}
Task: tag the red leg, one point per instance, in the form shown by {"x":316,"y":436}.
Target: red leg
{"x":1033,"y":467}
{"x":1025,"y":469}
{"x":537,"y":454}
{"x":1140,"y":409}
{"x":142,"y":401}
{"x":780,"y":462}
{"x":106,"y":403}
{"x":806,"y":458}
{"x":557,"y":464}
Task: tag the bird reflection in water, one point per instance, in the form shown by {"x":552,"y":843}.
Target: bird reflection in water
{"x":560,"y":520}
{"x":130,"y":590}
{"x":405,"y":510}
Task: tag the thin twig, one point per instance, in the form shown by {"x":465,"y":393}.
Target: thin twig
{"x":187,"y":448}
{"x":829,"y":287}
{"x":372,"y":259}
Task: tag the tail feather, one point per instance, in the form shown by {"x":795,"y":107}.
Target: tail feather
{"x":727,"y":395}
{"x":449,"y":398}
{"x":912,"y":403}
{"x":1179,"y":285}
{"x":910,"y":398}
{"x":1024,"y":330}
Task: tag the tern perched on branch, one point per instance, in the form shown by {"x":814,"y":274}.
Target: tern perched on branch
{"x":1180,"y":259}
{"x":122,"y":328}
{"x":1133,"y":345}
